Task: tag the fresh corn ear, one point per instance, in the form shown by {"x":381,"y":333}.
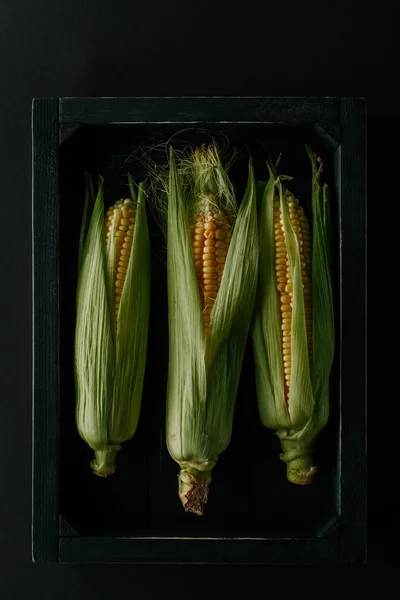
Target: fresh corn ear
{"x":113,"y":299}
{"x":293,"y":330}
{"x":212,"y":265}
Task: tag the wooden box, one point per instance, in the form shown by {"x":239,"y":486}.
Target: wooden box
{"x":253,"y":515}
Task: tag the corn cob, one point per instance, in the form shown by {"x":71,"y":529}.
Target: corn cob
{"x":210,"y":243}
{"x":111,"y":325}
{"x":210,"y":306}
{"x":121,"y":219}
{"x":293,"y":332}
{"x":300,"y":226}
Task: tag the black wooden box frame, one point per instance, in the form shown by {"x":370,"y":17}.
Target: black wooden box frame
{"x":341,"y":123}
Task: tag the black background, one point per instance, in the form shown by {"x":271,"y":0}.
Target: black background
{"x":159,"y":48}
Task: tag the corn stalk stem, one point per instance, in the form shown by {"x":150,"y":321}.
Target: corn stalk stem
{"x":297,"y":455}
{"x":104,"y":462}
{"x":194,"y":481}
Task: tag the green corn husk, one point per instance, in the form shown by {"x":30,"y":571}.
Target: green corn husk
{"x":204,"y":371}
{"x":109,"y":362}
{"x":300,"y":422}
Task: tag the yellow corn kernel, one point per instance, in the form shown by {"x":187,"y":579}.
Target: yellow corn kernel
{"x":210,"y":242}
{"x":284,"y":281}
{"x":121,"y":216}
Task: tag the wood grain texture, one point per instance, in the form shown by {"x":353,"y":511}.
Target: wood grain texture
{"x":45,"y":332}
{"x":353,"y":331}
{"x":65,"y":529}
{"x":181,"y":550}
{"x":321,"y":111}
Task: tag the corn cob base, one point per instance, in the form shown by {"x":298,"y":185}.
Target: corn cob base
{"x":194,"y":482}
{"x":103,"y":464}
{"x":299,"y":461}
